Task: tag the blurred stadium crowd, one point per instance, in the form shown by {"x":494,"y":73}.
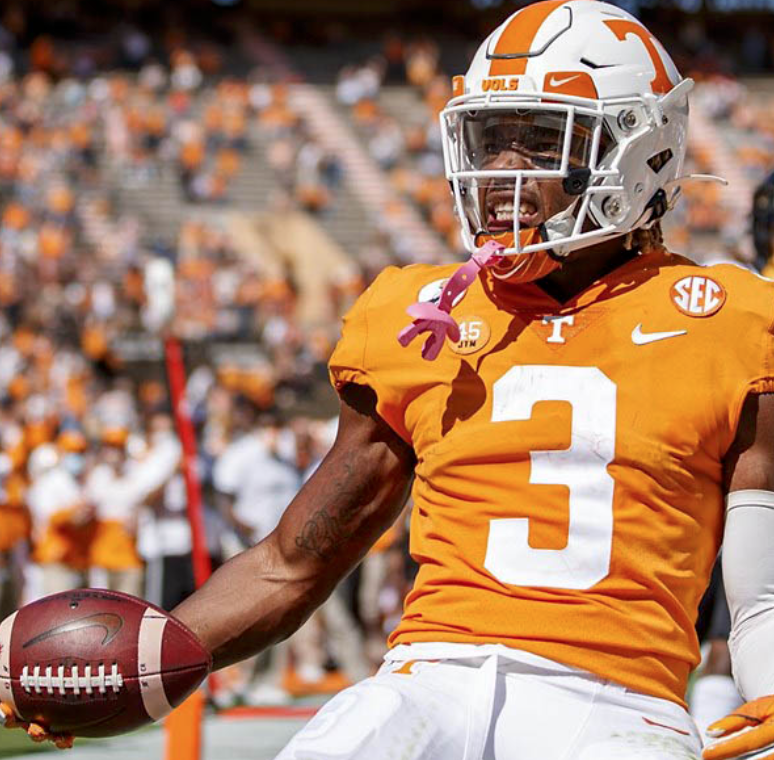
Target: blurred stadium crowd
{"x":92,"y":277}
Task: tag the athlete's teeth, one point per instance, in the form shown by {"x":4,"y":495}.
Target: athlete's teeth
{"x":504,"y":212}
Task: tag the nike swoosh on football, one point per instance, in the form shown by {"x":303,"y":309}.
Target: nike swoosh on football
{"x":554,"y":82}
{"x":640,"y":338}
{"x":107,"y":620}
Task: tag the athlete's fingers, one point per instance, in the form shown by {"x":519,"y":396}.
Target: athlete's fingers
{"x":37,"y":733}
{"x":749,"y":714}
{"x":755,"y":739}
{"x":9,"y":718}
{"x":730,"y":724}
{"x":63,"y":741}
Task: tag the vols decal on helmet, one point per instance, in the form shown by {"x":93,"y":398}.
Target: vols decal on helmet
{"x":431,"y":293}
{"x":474,"y":335}
{"x":697,"y":296}
{"x":499,"y":84}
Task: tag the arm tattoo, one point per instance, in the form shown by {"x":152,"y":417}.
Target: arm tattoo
{"x":329,"y":527}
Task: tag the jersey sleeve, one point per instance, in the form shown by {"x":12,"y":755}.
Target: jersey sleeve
{"x":753,"y":362}
{"x":365,"y":354}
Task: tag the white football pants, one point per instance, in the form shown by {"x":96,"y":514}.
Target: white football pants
{"x":490,"y":708}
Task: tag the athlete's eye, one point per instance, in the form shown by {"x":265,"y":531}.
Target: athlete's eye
{"x":546,"y":160}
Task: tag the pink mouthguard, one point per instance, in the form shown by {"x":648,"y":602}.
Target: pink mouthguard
{"x":436,"y":318}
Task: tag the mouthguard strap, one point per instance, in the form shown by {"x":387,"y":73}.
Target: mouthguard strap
{"x":436,"y":318}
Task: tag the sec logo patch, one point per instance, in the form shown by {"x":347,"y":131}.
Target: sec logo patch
{"x":697,"y":296}
{"x":474,"y":335}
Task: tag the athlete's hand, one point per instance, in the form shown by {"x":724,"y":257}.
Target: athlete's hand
{"x":748,"y":733}
{"x":35,"y":731}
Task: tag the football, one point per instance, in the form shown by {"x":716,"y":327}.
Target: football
{"x":92,"y":662}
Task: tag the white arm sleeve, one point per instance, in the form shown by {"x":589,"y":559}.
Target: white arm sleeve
{"x":748,"y":575}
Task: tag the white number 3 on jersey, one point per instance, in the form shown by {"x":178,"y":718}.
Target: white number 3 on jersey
{"x":582,"y":467}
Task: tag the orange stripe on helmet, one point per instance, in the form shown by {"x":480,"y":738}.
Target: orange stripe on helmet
{"x":517,"y":37}
{"x":622,"y":28}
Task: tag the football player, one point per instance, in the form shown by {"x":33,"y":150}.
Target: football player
{"x":577,"y":411}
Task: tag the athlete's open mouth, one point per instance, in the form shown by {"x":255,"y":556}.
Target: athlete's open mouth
{"x":500,"y":210}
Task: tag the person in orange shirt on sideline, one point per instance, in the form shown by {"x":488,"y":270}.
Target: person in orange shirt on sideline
{"x":581,"y":415}
{"x":118,"y":486}
{"x":113,"y":555}
{"x":62,"y":522}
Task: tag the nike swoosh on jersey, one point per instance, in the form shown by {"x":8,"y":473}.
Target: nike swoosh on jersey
{"x":554,"y":82}
{"x":110,"y":622}
{"x":640,"y":338}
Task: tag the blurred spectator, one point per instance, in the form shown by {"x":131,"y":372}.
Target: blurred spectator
{"x":124,"y":479}
{"x":258,"y":476}
{"x":62,"y":523}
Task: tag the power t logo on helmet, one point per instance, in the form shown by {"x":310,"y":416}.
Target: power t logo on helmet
{"x":569,"y":128}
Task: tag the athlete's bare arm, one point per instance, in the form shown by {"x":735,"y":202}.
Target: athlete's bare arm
{"x":267,"y":592}
{"x":749,"y":464}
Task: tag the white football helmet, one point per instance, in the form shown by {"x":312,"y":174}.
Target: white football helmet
{"x":576,"y":93}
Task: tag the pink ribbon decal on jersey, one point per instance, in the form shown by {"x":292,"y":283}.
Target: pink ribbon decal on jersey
{"x":436,"y":318}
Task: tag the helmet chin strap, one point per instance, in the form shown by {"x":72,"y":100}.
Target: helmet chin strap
{"x":527,"y":236}
{"x":527,"y":267}
{"x":561,"y":225}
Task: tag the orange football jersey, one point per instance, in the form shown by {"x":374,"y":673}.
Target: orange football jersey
{"x":568,"y":491}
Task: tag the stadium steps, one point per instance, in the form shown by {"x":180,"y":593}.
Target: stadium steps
{"x":362,"y":175}
{"x":348,"y":223}
{"x":708,"y":137}
{"x":159,"y":202}
{"x":401,"y":103}
{"x":315,"y":260}
{"x":293,"y":241}
{"x":345,"y":219}
{"x":253,"y":187}
{"x":251,"y":245}
{"x":405,"y":105}
{"x":357,"y":211}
